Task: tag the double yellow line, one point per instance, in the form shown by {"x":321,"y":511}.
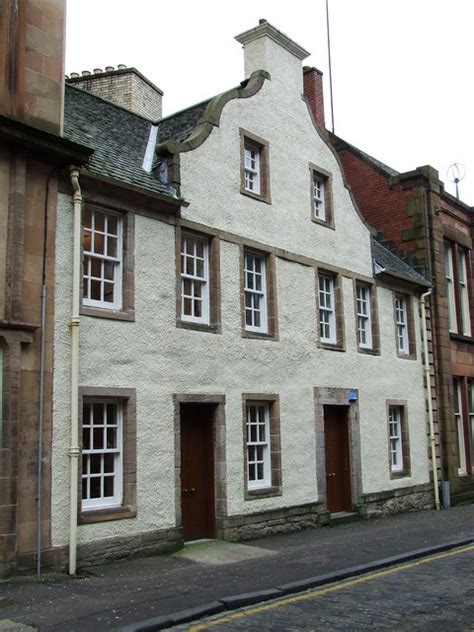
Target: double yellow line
{"x":331,"y":588}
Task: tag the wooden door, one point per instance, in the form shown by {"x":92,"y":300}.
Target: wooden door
{"x":338,"y":466}
{"x":197,"y":471}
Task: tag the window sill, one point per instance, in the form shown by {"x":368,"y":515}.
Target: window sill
{"x":266,"y":492}
{"x":461,"y":337}
{"x":210,"y":329}
{"x":255,"y":196}
{"x":113,"y":314}
{"x":255,"y":335}
{"x":323,"y":222}
{"x":406,"y":356}
{"x":373,"y":352}
{"x":104,"y":515}
{"x":402,"y":474}
{"x":329,"y":346}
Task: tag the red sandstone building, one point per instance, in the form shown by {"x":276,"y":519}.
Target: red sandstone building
{"x":434,"y":232}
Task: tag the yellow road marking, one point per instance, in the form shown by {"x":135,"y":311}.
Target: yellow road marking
{"x":332,"y":588}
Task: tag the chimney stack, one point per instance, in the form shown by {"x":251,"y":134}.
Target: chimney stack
{"x":313,"y":91}
{"x":125,"y":87}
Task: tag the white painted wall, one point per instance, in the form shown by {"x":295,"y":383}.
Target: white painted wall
{"x":159,"y":359}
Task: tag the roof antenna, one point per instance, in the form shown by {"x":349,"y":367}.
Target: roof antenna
{"x":330,"y":66}
{"x":456,"y":173}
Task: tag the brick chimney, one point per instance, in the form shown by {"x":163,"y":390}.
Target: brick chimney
{"x":313,"y":91}
{"x":125,"y":87}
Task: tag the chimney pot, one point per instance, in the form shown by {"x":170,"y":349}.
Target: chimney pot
{"x":109,"y":68}
{"x":262,"y":21}
{"x":97,"y":71}
{"x":86,"y":73}
{"x":121,"y":67}
{"x":74,"y":74}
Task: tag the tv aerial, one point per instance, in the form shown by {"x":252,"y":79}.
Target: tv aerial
{"x":456,"y":173}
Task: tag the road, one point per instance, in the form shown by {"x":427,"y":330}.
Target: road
{"x":435,"y":593}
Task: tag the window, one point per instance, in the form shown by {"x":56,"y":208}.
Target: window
{"x":319,"y":204}
{"x":255,"y":174}
{"x":470,"y":400}
{"x":261,"y":445}
{"x":398,"y":439}
{"x":395,"y":430}
{"x":459,"y":422}
{"x":102,"y":454}
{"x":401,"y":323}
{"x":327,"y":309}
{"x":102,"y":259}
{"x":255,"y":291}
{"x":194,"y":279}
{"x":364,"y":316}
{"x":108,"y":469}
{"x":457,"y":290}
{"x":252,"y":168}
{"x":321,"y":196}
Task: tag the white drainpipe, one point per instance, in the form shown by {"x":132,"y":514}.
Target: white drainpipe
{"x":428,"y":391}
{"x":74,"y":450}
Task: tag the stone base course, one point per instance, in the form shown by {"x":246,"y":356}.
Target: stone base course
{"x":396,"y":501}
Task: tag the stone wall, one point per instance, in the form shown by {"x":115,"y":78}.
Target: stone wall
{"x":396,"y":501}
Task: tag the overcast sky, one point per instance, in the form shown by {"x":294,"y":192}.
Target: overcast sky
{"x":402,"y":69}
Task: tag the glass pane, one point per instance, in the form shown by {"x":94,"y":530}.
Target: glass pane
{"x":187,"y":307}
{"x":248,"y":317}
{"x":249,"y":281}
{"x":259,"y":453}
{"x":251,"y":472}
{"x":99,"y":243}
{"x":112,"y":225}
{"x":86,"y":438}
{"x":197,"y":289}
{"x":198,"y":308}
{"x":260,"y":471}
{"x":200,"y":268}
{"x":98,"y":438}
{"x":187,"y":288}
{"x":109,"y":270}
{"x":95,"y":290}
{"x":109,"y":292}
{"x":87,"y":218}
{"x":111,"y":246}
{"x":95,"y":268}
{"x":258,"y":264}
{"x":109,"y":460}
{"x":98,"y":413}
{"x":95,"y":487}
{"x":111,"y":438}
{"x":189,"y":266}
{"x":200,"y":249}
{"x":84,"y":489}
{"x":257,"y":319}
{"x":253,"y":432}
{"x":111,"y":414}
{"x":86,"y":411}
{"x":85,"y":460}
{"x":99,"y":221}
{"x":108,"y":486}
{"x":95,"y":461}
{"x":86,"y":241}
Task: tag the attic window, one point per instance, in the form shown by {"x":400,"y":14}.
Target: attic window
{"x":254,"y":167}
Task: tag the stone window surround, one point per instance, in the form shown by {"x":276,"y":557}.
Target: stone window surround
{"x":263,"y":146}
{"x":340,"y":343}
{"x":375,"y":349}
{"x":455,"y":248}
{"x":326,"y":177}
{"x":128,"y":509}
{"x":219,"y":426}
{"x":327,"y":396}
{"x":411,"y":355}
{"x":127,"y":312}
{"x":271,"y":295}
{"x":275,"y":445}
{"x":214,"y":325}
{"x":403,"y":405}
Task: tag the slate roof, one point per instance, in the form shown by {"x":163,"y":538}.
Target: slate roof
{"x":179,"y":126}
{"x":378,"y":164}
{"x":393,"y":264}
{"x":119,"y":138}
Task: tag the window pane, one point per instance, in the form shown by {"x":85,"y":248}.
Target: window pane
{"x":108,"y":486}
{"x":95,"y":462}
{"x":98,"y":439}
{"x":95,"y":291}
{"x":95,"y":487}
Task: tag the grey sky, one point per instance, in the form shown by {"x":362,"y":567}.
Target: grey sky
{"x":402,"y":70}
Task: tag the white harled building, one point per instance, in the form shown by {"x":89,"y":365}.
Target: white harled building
{"x":250,"y":358}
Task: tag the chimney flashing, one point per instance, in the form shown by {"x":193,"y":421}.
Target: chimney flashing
{"x":265,"y":29}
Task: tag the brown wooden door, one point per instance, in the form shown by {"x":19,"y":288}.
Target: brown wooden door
{"x":197,"y":471}
{"x":338,"y":467}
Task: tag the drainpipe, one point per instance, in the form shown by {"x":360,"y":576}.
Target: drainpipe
{"x":428,"y":388}
{"x":74,"y":450}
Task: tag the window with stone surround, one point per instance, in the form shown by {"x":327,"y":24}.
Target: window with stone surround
{"x":331,"y":334}
{"x":262,"y":456}
{"x":459,"y":423}
{"x":254,"y":169}
{"x":198,"y":287}
{"x":321,"y":196}
{"x":364,"y":316}
{"x":398,"y":439}
{"x":258,"y":294}
{"x":404,"y":326}
{"x":457,"y":288}
{"x":108,"y":454}
{"x":107,"y":263}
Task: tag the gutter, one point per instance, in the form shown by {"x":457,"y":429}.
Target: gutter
{"x":74,"y":450}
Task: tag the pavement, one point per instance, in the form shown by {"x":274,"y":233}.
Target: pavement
{"x":157,"y":592}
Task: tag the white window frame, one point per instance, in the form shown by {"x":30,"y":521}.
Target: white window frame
{"x":257,"y":443}
{"x":256,"y":296}
{"x":450,"y":288}
{"x":395,"y":420}
{"x":464,"y":293}
{"x":90,"y":504}
{"x":401,"y":321}
{"x":458,"y":416}
{"x":188,"y":251}
{"x":319,"y":197}
{"x":90,"y":256}
{"x":252,"y":168}
{"x":364,"y":315}
{"x":327,"y":308}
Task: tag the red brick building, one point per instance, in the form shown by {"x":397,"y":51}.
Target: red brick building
{"x":434,"y":232}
